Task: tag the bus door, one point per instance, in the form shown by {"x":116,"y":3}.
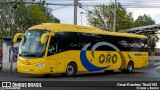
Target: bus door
{"x":52,"y":55}
{"x":68,"y":45}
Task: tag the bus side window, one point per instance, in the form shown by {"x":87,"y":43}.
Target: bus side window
{"x":53,"y":46}
{"x":84,"y":38}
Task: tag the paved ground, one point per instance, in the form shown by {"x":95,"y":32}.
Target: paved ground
{"x":151,"y":73}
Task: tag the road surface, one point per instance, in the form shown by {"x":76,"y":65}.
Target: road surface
{"x":151,"y":73}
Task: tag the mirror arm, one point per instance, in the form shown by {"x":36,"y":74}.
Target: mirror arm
{"x":16,"y":36}
{"x":43,"y":38}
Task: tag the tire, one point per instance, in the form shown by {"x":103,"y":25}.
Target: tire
{"x":130,"y":68}
{"x":108,"y":71}
{"x":71,"y":70}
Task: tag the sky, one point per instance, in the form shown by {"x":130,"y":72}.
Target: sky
{"x":137,"y":7}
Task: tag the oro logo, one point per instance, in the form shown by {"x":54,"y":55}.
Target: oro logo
{"x":108,"y":58}
{"x":102,"y":58}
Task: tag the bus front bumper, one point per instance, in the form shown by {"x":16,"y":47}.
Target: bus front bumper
{"x":31,"y":69}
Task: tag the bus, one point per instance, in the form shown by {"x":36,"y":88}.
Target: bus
{"x":51,"y":48}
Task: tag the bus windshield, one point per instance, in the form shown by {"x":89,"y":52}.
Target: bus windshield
{"x":31,"y":44}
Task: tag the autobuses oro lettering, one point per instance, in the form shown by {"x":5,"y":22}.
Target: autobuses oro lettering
{"x":108,"y":58}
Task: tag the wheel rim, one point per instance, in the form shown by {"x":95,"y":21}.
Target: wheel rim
{"x":130,"y":67}
{"x":70,"y":70}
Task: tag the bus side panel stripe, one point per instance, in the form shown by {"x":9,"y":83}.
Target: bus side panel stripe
{"x":123,"y":60}
{"x":89,"y":66}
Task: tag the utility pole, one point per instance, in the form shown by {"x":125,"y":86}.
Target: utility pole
{"x":81,"y":17}
{"x":114,"y":24}
{"x":12,"y":35}
{"x":75,"y":11}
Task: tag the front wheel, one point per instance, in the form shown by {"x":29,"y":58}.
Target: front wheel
{"x":71,"y":70}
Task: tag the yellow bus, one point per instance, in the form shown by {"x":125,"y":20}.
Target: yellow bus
{"x":51,"y":48}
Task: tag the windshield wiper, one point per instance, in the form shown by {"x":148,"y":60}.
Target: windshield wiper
{"x":39,"y":54}
{"x":21,"y":54}
{"x":29,"y":54}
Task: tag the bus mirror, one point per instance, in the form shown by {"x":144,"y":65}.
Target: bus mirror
{"x":16,"y":36}
{"x":43,"y":38}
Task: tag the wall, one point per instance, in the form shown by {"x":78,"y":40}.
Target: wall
{"x":154,"y":57}
{"x":6,"y":65}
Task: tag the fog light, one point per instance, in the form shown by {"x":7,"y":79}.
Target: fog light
{"x":40,"y":64}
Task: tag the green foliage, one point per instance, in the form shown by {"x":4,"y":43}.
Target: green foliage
{"x":144,"y":21}
{"x":152,"y":38}
{"x":13,"y":20}
{"x":102,"y":17}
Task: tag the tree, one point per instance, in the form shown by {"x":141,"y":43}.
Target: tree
{"x":19,"y":15}
{"x":152,"y":38}
{"x":102,"y":16}
{"x":144,"y":21}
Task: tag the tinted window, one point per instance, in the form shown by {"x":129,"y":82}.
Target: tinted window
{"x":68,"y":41}
{"x":53,"y":46}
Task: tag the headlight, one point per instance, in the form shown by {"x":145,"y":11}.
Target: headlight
{"x":40,"y":64}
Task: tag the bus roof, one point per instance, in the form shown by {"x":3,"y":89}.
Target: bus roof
{"x":55,"y":27}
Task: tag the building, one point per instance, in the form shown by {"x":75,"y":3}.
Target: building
{"x":155,"y":55}
{"x":156,"y":52}
{"x":6,"y":49}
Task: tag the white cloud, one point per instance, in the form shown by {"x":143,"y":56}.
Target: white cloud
{"x":153,"y":12}
{"x":65,"y":15}
{"x":138,"y":7}
{"x":158,"y":44}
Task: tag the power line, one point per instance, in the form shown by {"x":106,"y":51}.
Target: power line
{"x":140,"y":5}
{"x":125,"y":5}
{"x":81,"y":6}
{"x":58,"y":4}
{"x":62,"y":7}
